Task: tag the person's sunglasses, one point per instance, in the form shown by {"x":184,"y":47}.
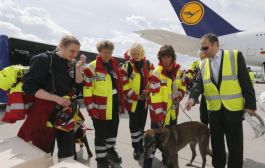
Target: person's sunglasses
{"x":204,"y":48}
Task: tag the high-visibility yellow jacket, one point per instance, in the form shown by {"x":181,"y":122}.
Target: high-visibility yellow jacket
{"x":18,"y":103}
{"x":11,"y":75}
{"x":252,"y":76}
{"x":193,"y":68}
{"x":163,"y":90}
{"x":97,"y":91}
{"x":230,"y":94}
{"x":132,"y":83}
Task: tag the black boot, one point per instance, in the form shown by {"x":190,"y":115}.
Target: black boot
{"x":103,"y":163}
{"x":148,"y":163}
{"x":113,"y":155}
{"x":136,"y":153}
{"x":141,"y":147}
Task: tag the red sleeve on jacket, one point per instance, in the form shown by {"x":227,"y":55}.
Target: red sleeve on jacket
{"x":154,"y":84}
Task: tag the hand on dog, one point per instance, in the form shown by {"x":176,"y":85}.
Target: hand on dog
{"x":189,"y":104}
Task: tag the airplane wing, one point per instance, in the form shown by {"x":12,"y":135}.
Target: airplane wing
{"x":182,"y":44}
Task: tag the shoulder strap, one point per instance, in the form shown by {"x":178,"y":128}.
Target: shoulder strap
{"x":129,"y":68}
{"x":148,"y":65}
{"x":51,"y":71}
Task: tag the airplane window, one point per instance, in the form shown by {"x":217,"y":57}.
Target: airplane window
{"x":257,"y":35}
{"x":260,"y":34}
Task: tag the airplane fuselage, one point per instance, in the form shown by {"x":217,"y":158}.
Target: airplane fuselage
{"x":251,"y":44}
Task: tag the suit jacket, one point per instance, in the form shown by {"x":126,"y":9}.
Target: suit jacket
{"x":246,"y":85}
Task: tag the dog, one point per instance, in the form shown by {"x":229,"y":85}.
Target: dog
{"x":80,"y":138}
{"x":173,"y":138}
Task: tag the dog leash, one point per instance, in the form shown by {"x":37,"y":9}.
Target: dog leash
{"x":183,"y":110}
{"x":174,"y":106}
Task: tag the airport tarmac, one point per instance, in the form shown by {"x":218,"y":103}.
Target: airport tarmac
{"x":254,"y":149}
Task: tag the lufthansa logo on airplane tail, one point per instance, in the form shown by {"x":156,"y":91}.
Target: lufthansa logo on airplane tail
{"x":192,"y":13}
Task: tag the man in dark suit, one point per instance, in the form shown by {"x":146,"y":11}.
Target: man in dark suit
{"x":226,"y":85}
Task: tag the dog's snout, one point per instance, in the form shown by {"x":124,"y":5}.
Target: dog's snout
{"x":149,"y":146}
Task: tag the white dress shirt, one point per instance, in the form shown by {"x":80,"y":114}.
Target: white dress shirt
{"x":215,"y":64}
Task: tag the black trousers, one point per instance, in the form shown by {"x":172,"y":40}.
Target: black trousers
{"x":203,"y":111}
{"x":137,"y":124}
{"x":65,"y":143}
{"x":224,"y":123}
{"x":106,"y":132}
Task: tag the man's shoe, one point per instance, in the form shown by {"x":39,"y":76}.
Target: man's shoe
{"x":103,"y":164}
{"x":136,"y":154}
{"x":112,"y":155}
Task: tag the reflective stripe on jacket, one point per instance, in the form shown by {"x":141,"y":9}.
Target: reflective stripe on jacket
{"x":230,"y":94}
{"x":18,"y":103}
{"x":163,"y":90}
{"x":132,"y":84}
{"x":97,"y":91}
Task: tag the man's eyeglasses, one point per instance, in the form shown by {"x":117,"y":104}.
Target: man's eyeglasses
{"x":204,"y":48}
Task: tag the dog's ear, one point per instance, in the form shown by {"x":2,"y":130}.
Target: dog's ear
{"x":163,"y":136}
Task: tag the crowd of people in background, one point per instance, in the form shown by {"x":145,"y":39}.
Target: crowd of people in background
{"x":134,"y":87}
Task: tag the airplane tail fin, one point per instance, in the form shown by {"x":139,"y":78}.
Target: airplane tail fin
{"x":198,"y":19}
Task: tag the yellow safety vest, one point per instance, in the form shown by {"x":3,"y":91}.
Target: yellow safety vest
{"x":165,"y":93}
{"x":18,"y":103}
{"x":101,"y":92}
{"x":133,"y":86}
{"x":230,"y":94}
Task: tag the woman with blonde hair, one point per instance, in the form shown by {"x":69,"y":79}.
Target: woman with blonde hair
{"x":137,"y":70}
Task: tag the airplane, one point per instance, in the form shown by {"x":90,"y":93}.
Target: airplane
{"x":198,"y":19}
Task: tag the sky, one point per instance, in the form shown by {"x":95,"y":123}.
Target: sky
{"x":116,"y":20}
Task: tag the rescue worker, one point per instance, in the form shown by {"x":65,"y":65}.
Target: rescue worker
{"x":137,"y":70}
{"x":192,"y":75}
{"x":166,"y":91}
{"x":102,"y":96}
{"x":251,"y":74}
{"x":51,"y":76}
{"x":226,"y":85}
